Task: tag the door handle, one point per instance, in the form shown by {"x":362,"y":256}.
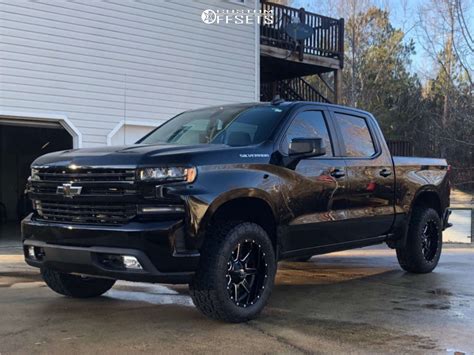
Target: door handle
{"x":338,"y":173}
{"x":385,"y":172}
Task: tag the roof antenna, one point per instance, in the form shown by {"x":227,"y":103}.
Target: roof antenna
{"x":277,"y":100}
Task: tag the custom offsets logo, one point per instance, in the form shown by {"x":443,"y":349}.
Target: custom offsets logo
{"x":238,"y":17}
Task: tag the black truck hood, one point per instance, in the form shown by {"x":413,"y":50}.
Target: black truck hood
{"x":148,"y":155}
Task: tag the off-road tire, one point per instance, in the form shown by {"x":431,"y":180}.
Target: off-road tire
{"x":74,"y":285}
{"x":410,"y":256}
{"x":209,"y":289}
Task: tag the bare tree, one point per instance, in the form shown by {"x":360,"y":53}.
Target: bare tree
{"x":444,"y":36}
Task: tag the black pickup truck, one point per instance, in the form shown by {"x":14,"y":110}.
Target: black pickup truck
{"x":215,"y":197}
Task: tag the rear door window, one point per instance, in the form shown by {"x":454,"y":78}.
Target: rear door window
{"x":356,"y":135}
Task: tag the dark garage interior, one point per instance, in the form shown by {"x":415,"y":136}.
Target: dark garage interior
{"x":20,"y":144}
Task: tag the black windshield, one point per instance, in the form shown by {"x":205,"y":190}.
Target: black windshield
{"x":232,"y":125}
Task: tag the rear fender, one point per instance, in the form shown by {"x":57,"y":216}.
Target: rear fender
{"x":402,"y":220}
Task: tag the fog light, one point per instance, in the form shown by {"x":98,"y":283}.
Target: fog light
{"x":131,"y":262}
{"x":119,"y":262}
{"x":31,"y":252}
{"x":160,"y":209}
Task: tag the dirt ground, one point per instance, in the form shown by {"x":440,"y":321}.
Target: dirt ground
{"x":356,"y":301}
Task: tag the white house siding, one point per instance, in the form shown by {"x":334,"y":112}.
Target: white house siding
{"x":100,"y":63}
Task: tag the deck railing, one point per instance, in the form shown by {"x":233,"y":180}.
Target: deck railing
{"x":328,"y":33}
{"x":296,"y":89}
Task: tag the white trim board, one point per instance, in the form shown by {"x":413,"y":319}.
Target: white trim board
{"x":129,"y":122}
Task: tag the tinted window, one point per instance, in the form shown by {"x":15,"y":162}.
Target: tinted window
{"x":356,"y":136}
{"x":308,"y":124}
{"x":234,"y":125}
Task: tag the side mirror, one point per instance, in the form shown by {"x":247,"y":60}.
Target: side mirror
{"x":306,"y":147}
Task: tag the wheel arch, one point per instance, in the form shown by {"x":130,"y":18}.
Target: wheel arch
{"x":427,"y":197}
{"x":250,"y":205}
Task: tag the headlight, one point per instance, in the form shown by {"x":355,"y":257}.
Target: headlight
{"x":174,"y":173}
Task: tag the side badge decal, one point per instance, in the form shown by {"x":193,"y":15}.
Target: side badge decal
{"x":254,"y":155}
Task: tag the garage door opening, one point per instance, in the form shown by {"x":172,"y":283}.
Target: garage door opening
{"x":20,"y":144}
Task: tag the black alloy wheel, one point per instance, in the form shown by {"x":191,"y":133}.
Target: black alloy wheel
{"x":429,"y":240}
{"x":236,"y":272}
{"x":246,"y":273}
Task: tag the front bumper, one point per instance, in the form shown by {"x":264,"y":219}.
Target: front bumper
{"x":78,"y":249}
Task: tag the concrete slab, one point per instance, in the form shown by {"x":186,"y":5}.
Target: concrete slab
{"x":356,"y":301}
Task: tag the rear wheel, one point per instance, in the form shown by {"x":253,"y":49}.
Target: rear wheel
{"x":236,"y":272}
{"x":74,"y":285}
{"x":422,"y":250}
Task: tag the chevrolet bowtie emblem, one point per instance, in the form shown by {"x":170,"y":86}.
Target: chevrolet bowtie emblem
{"x":68,"y":190}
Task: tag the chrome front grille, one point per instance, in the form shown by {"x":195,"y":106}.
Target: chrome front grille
{"x":100,"y":195}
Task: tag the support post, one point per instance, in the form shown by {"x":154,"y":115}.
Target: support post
{"x":302,"y":17}
{"x":338,"y":72}
{"x":472,"y":225}
{"x":337,"y":86}
{"x":274,"y":89}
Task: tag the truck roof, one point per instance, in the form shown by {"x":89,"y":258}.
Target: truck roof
{"x":287,"y":104}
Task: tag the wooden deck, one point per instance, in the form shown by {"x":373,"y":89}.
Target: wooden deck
{"x":283,"y":57}
{"x":326,"y":41}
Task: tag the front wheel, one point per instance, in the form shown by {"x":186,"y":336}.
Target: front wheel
{"x":236,"y":272}
{"x":74,"y":285}
{"x":422,"y":249}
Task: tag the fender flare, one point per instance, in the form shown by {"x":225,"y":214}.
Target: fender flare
{"x":235,"y":194}
{"x":422,"y":190}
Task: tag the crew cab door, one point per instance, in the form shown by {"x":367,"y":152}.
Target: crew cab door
{"x":370,"y":175}
{"x":315,"y":190}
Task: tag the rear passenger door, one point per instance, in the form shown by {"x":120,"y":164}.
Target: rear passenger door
{"x":370,"y":179}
